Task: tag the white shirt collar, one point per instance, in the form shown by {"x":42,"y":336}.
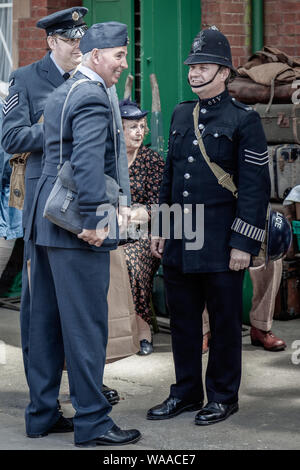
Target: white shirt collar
{"x":91,"y":74}
{"x":58,"y":67}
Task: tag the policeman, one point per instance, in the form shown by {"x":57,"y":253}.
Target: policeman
{"x":70,"y":273}
{"x":29,"y":88}
{"x":230,"y":230}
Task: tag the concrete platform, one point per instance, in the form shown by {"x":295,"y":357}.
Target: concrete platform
{"x":269,"y":413}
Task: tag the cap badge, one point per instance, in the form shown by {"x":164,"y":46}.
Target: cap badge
{"x":75,"y":16}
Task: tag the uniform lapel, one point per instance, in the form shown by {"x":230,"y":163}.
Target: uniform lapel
{"x":51,"y":71}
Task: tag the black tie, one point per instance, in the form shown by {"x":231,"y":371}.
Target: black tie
{"x":66,"y":76}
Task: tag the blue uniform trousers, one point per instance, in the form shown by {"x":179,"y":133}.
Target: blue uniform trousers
{"x":68,"y":320}
{"x":187,"y":295}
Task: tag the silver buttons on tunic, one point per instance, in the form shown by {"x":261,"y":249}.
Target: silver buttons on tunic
{"x":190,"y":159}
{"x":185,"y":193}
{"x":203,"y":110}
{"x":186,"y":210}
{"x":216,"y":134}
{"x":195,"y":142}
{"x":187,"y":176}
{"x":201,"y":127}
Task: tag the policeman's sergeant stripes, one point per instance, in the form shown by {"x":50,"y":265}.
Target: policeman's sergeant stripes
{"x":256,"y":158}
{"x":11,"y":103}
{"x":248,"y":230}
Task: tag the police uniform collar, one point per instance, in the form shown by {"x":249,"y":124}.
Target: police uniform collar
{"x":215,"y":99}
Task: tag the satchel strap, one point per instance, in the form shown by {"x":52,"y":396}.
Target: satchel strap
{"x":75,"y":84}
{"x":224,"y":179}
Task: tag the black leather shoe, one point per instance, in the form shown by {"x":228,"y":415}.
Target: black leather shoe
{"x":110,"y":394}
{"x":146,"y":348}
{"x":215,"y":412}
{"x":113,"y":437}
{"x":62,"y":425}
{"x":171,"y":407}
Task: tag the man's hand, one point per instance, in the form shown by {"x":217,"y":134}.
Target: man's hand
{"x":124,"y":215}
{"x":239,"y":259}
{"x":94,"y":237}
{"x":157,"y":247}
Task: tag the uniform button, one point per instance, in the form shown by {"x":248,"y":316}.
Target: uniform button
{"x":201,"y":127}
{"x":185,"y":193}
{"x":174,"y":132}
{"x":191,"y":159}
{"x":186,"y":210}
{"x":195,"y":142}
{"x":203,"y":110}
{"x":216,"y":134}
{"x":187,"y":176}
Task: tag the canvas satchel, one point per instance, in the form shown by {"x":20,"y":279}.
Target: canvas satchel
{"x":17,"y":178}
{"x":62,"y":206}
{"x":122,"y":322}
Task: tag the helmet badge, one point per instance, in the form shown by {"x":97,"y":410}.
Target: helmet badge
{"x":199,"y":43}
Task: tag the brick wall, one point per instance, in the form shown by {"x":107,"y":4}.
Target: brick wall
{"x":31,"y":41}
{"x":282,"y":25}
{"x":233,"y":18}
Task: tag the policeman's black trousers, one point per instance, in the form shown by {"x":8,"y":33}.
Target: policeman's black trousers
{"x":187,"y":295}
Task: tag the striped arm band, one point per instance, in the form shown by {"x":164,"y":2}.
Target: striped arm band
{"x":248,"y":230}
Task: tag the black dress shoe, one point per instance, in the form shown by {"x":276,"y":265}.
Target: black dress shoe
{"x":110,"y":394}
{"x":215,"y":412}
{"x":62,"y":425}
{"x":113,"y":437}
{"x":171,"y":407}
{"x":146,"y":348}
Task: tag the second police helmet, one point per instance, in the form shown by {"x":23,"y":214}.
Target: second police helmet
{"x":279,"y":236}
{"x":210,"y":46}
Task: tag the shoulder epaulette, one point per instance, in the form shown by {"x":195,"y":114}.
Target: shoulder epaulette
{"x":240,"y":105}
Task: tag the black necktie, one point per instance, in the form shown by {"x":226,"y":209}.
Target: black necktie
{"x":66,"y":76}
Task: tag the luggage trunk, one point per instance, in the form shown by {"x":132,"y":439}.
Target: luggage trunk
{"x":284,"y":166}
{"x":281,"y":122}
{"x":287,"y":305}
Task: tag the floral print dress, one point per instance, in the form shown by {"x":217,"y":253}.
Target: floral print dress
{"x":145,"y":174}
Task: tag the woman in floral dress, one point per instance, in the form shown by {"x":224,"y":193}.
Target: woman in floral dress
{"x":145,"y":172}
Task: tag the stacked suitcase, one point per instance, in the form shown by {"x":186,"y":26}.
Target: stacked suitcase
{"x":281,"y":124}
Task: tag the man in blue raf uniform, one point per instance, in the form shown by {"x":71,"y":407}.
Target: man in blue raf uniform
{"x":70,"y":273}
{"x":233,"y":231}
{"x":30,"y":86}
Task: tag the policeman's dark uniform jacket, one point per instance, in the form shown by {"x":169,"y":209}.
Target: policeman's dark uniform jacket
{"x":234,"y":139}
{"x":70,"y":278}
{"x":29,"y":89}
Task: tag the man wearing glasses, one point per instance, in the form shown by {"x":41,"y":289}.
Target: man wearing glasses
{"x":29,"y":89}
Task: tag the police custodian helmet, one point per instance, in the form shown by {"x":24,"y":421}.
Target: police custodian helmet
{"x":210,"y":46}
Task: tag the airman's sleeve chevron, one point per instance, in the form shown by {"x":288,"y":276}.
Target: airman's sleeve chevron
{"x":10,"y":103}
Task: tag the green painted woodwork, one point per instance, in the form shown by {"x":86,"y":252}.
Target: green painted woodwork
{"x":167,"y":30}
{"x":114,"y":10}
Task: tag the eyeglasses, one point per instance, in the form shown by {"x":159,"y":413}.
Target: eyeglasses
{"x":70,"y":42}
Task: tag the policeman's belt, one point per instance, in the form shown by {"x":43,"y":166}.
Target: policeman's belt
{"x":224,"y":179}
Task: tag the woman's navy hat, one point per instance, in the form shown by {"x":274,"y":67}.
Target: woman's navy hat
{"x":130,"y":110}
{"x":104,"y":35}
{"x":67,"y":23}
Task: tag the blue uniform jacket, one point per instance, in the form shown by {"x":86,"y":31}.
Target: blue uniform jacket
{"x":234,"y":139}
{"x":10,"y":218}
{"x":29,"y":89}
{"x":88,"y":143}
